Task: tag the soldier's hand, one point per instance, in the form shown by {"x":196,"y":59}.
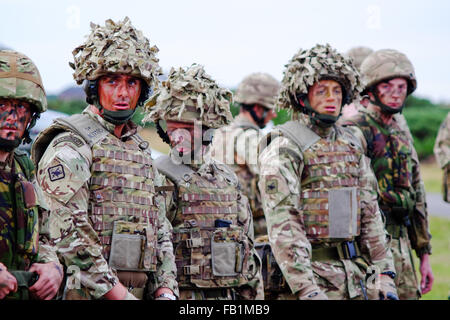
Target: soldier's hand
{"x":427,"y":275}
{"x":50,"y":277}
{"x":387,"y":291}
{"x":8,"y":283}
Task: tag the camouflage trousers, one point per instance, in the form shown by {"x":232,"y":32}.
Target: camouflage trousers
{"x":406,"y":279}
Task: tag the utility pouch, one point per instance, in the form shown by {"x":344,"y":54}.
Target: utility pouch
{"x":227,"y":253}
{"x":29,"y":195}
{"x":128,"y":247}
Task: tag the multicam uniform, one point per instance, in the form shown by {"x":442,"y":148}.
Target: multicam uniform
{"x":22,"y":209}
{"x":107,"y":216}
{"x":99,"y":186}
{"x":442,"y":153}
{"x":237,"y":144}
{"x":319,"y":197}
{"x":396,"y":167}
{"x":213,"y":230}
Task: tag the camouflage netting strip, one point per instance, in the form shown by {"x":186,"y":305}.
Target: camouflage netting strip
{"x":185,"y":90}
{"x":116,"y":48}
{"x":306,"y":68}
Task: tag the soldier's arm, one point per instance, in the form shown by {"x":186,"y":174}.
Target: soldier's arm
{"x":442,"y":144}
{"x":166,"y":269}
{"x":63,"y":173}
{"x":281,"y":165}
{"x":420,"y":236}
{"x":374,"y":237}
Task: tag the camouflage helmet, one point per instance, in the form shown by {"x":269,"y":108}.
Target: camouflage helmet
{"x":189,"y":95}
{"x":258,"y":88}
{"x":20,"y":79}
{"x":358,"y":54}
{"x":321,"y":62}
{"x":387,"y":64}
{"x":116,"y":48}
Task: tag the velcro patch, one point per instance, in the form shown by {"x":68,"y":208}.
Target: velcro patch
{"x":76,"y":141}
{"x":56,"y":173}
{"x":272,"y":186}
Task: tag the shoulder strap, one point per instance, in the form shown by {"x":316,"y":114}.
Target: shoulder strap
{"x":91,"y":131}
{"x":175,"y":172}
{"x":25,"y":163}
{"x":299,"y":133}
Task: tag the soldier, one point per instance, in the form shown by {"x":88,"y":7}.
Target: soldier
{"x":22,"y":252}
{"x":323,"y":220}
{"x":107,"y":216}
{"x":236,"y":145}
{"x":357,"y":54}
{"x":389,"y":78}
{"x":442,"y":153}
{"x":211,"y":218}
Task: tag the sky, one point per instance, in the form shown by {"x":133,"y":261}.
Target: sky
{"x":234,"y":38}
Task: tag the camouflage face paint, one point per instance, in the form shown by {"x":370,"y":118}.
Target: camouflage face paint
{"x":393,"y":92}
{"x":15,"y":115}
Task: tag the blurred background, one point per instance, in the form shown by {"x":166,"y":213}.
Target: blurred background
{"x":234,"y":38}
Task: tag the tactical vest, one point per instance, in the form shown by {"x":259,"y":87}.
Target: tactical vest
{"x":19,"y":246}
{"x":122,"y":193}
{"x":329,"y":200}
{"x":211,"y":249}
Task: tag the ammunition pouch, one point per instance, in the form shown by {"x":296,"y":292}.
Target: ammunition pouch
{"x":227,"y":255}
{"x":130,"y":247}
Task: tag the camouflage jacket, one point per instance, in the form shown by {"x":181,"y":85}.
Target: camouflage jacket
{"x":395,"y":164}
{"x":212,"y":170}
{"x":22,"y":240}
{"x":442,"y":144}
{"x":71,"y":225}
{"x":282,"y":171}
{"x":237,"y":146}
{"x":442,"y":153}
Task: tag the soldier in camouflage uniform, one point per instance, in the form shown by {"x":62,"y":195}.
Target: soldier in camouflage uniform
{"x":318,"y":191}
{"x":389,"y":77}
{"x":107,"y":214}
{"x":442,"y":153}
{"x":358,"y":54}
{"x":211,"y":218}
{"x":237,"y":144}
{"x":22,"y":252}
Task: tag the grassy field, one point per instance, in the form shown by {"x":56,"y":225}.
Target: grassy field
{"x":440,"y":259}
{"x":440,"y":230}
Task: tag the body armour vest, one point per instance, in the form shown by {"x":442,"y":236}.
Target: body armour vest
{"x":330,"y":184}
{"x":211,"y":249}
{"x":122,"y":206}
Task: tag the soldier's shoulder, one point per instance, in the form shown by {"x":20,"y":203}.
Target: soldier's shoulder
{"x":224,"y":170}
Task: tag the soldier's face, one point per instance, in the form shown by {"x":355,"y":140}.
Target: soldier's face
{"x":325,"y":97}
{"x":119,"y":92}
{"x":270,"y":114}
{"x":15,"y":115}
{"x":182,"y":136}
{"x":393,"y":92}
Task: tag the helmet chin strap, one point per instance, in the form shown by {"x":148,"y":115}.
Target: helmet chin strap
{"x":259,"y":120}
{"x":385,"y":108}
{"x":321,"y":120}
{"x":115,"y":117}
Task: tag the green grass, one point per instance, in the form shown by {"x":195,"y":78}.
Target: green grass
{"x":432,"y":177}
{"x":440,"y":259}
